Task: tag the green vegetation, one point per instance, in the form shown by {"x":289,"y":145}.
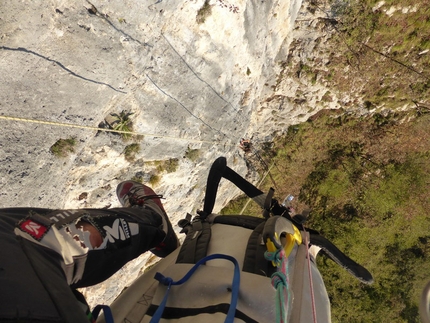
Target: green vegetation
{"x":168,"y":166}
{"x":137,"y":178}
{"x":236,"y":205}
{"x":130,"y":152}
{"x":380,"y":49}
{"x":154,"y":180}
{"x":63,"y":147}
{"x":154,"y":168}
{"x":366,"y":180}
{"x":192,"y":154}
{"x":204,"y":12}
{"x":123,"y":123}
{"x":308,"y":71}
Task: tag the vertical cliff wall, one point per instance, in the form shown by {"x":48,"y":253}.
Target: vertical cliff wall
{"x":185,"y":69}
{"x":196,"y":75}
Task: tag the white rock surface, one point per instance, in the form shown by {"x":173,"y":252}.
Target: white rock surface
{"x":198,"y":85}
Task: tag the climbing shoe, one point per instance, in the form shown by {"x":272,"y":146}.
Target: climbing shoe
{"x":134,"y":194}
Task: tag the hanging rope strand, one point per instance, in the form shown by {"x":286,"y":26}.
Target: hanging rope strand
{"x":311,"y":285}
{"x":281,"y":283}
{"x":70,"y":125}
{"x":267,"y":168}
{"x":258,"y":185}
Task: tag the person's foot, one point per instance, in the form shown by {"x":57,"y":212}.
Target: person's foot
{"x":131,"y":193}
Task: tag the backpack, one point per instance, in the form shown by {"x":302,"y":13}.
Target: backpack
{"x":237,"y":268}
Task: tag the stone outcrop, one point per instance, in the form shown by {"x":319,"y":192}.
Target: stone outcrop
{"x":197,"y":77}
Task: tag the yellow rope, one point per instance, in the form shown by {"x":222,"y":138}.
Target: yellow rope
{"x":61,"y":124}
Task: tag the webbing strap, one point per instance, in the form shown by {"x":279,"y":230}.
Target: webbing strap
{"x":219,"y":169}
{"x":196,"y":243}
{"x":297,"y":282}
{"x":425,"y":304}
{"x":167,"y":281}
{"x":254,"y":261}
{"x":268,"y":203}
{"x":331,"y":251}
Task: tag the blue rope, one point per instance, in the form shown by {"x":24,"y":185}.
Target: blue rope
{"x":167,"y":281}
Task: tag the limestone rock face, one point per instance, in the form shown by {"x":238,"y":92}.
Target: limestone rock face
{"x":196,"y":75}
{"x":185,"y":69}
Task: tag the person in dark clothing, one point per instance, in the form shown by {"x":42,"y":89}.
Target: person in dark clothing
{"x":245,"y":145}
{"x":46,"y":254}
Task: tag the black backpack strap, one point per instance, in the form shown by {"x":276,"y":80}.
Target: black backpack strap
{"x":330,"y":250}
{"x":268,"y":203}
{"x":254,"y":260}
{"x":244,"y":221}
{"x":220,"y":170}
{"x":196,"y":243}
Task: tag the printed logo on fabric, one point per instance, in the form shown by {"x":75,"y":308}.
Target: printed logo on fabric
{"x":118,"y":231}
{"x":33,"y":228}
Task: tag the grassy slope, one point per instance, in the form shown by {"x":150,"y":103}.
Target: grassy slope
{"x":381,"y":54}
{"x":367,"y":179}
{"x":367,"y":182}
{"x":370,"y":196}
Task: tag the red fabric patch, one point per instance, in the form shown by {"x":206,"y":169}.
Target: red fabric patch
{"x":36,"y":230}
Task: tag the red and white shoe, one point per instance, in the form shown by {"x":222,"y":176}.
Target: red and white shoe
{"x":131,"y":193}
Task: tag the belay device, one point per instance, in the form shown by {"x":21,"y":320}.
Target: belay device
{"x":237,"y":268}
